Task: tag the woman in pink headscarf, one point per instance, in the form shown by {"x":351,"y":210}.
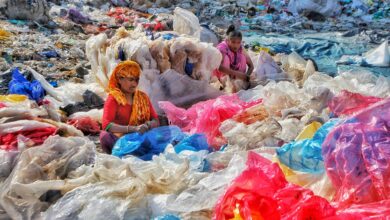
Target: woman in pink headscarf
{"x":236,"y":65}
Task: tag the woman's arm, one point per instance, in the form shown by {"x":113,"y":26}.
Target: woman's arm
{"x":230,"y":72}
{"x":250,"y":64}
{"x":115,"y":128}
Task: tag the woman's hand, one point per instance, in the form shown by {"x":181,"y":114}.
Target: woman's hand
{"x":142,"y":128}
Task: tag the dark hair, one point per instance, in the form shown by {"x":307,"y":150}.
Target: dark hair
{"x":232,"y":33}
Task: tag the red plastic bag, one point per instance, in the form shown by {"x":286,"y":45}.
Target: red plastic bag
{"x":357,"y":157}
{"x":206,"y":117}
{"x":262,"y":192}
{"x":347,"y":103}
{"x":85,"y":124}
{"x":9,"y":141}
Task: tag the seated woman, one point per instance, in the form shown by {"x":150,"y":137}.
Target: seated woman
{"x":235,"y":61}
{"x":126,"y":109}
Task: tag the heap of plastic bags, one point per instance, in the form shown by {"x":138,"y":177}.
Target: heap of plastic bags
{"x":206,"y":117}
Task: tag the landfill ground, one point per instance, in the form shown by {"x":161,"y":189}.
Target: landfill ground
{"x":306,"y":136}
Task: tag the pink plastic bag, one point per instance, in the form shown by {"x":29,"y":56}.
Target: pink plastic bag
{"x":206,"y":117}
{"x":262,"y":192}
{"x":347,"y":103}
{"x":357,"y":157}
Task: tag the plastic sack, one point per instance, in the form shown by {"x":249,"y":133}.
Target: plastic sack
{"x":347,"y":103}
{"x":262,"y":192}
{"x":379,"y":56}
{"x":194,"y":142}
{"x":20,"y":85}
{"x":356,"y":157}
{"x":324,"y":7}
{"x":180,"y":90}
{"x":146,"y":145}
{"x":36,"y":132}
{"x":185,"y":22}
{"x":206,"y":117}
{"x":208,"y":36}
{"x":39,"y":174}
{"x":85,"y":124}
{"x":305,"y":155}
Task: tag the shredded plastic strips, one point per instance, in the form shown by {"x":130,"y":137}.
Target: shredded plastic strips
{"x":262,"y":192}
{"x":206,"y":117}
{"x":356,"y":157}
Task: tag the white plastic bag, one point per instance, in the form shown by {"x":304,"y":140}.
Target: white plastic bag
{"x":266,"y":68}
{"x":379,"y":56}
{"x":185,"y":22}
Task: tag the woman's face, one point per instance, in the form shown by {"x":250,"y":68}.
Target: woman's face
{"x":128,"y":84}
{"x":234,"y":43}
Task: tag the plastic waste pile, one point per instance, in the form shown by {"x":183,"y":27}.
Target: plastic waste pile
{"x":299,"y":143}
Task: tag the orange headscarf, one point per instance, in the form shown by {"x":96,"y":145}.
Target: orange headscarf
{"x":140,"y":112}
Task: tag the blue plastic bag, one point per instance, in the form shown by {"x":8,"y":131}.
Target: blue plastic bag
{"x":149,"y":144}
{"x":196,"y":142}
{"x":20,"y":85}
{"x":306,"y":155}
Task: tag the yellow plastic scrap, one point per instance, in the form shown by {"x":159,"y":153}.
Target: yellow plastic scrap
{"x":309,"y":131}
{"x":4,"y":35}
{"x":237,"y":215}
{"x":257,"y":49}
{"x":13,"y":98}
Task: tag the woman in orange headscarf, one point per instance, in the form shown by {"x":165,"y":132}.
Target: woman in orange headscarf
{"x":126,"y":109}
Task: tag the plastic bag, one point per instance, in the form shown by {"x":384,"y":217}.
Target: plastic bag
{"x":379,"y":56}
{"x":347,"y":103}
{"x":85,"y":124}
{"x":356,"y":157}
{"x":262,"y":192}
{"x":194,"y":142}
{"x":185,"y":22}
{"x":36,"y":132}
{"x":26,"y":10}
{"x":305,"y":155}
{"x":146,"y":145}
{"x":180,"y":90}
{"x":267,"y":69}
{"x":206,"y":117}
{"x":324,"y":7}
{"x":20,"y":85}
{"x":12,"y":98}
{"x":39,"y":175}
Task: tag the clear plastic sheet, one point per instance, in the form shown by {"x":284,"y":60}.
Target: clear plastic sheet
{"x":39,"y":175}
{"x":180,"y":90}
